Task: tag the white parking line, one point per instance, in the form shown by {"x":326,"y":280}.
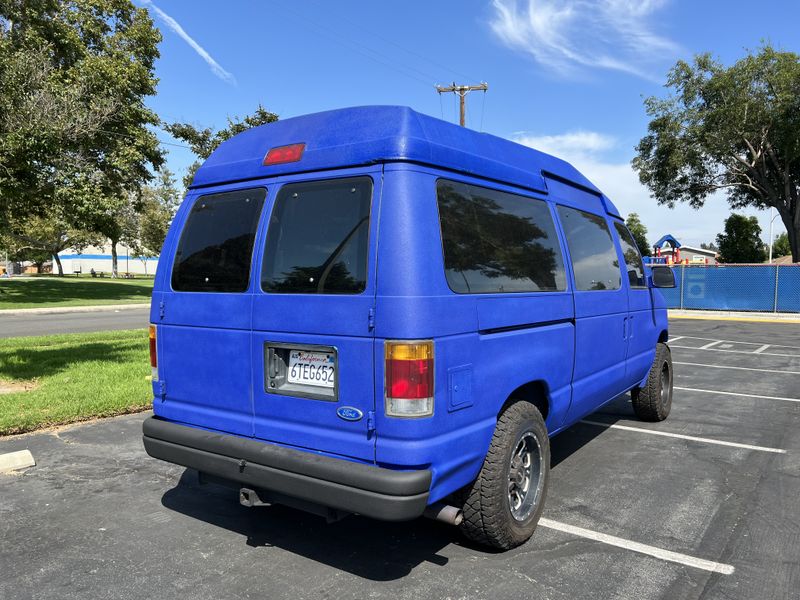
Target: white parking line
{"x":694,"y":337}
{"x":761,"y":349}
{"x":676,"y":362}
{"x":668,"y":555}
{"x":686,"y":389}
{"x":711,"y":345}
{"x":685,"y":437}
{"x":675,"y":339}
{"x":737,"y":351}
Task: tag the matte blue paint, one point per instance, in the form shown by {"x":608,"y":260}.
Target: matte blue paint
{"x":581,"y":349}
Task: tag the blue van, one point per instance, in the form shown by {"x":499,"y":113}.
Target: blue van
{"x":373,"y":311}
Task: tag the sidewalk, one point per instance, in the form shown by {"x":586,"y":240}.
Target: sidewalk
{"x":53,"y":310}
{"x":725,"y":315}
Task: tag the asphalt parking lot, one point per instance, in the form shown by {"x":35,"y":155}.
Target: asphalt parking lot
{"x":703,"y":505}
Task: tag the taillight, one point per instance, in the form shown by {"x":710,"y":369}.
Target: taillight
{"x":409,"y":379}
{"x":284,"y":154}
{"x":153,"y":353}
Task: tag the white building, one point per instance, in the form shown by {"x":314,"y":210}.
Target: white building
{"x":99,"y":259}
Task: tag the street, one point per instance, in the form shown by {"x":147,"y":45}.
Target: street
{"x":72,"y":322}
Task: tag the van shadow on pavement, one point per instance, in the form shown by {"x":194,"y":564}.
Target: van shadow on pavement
{"x":375,"y":550}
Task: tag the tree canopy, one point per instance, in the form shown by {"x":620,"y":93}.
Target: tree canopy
{"x":75,"y":133}
{"x":204,"y":141}
{"x":639,"y":233}
{"x":741,"y":241}
{"x":734,"y":130}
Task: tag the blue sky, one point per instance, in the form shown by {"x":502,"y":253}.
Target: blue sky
{"x":565,"y":76}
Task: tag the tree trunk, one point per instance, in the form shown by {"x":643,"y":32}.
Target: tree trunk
{"x":113,"y":258}
{"x":58,"y":263}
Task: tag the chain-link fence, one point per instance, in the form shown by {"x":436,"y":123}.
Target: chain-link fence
{"x":772,"y":288}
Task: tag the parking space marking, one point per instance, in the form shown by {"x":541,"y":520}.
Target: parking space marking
{"x":760,"y":350}
{"x":686,"y":389}
{"x":710,"y":345}
{"x":736,"y":351}
{"x":684,"y":437}
{"x":654,"y":551}
{"x":675,"y":339}
{"x":677,"y":362}
{"x":693,"y":337}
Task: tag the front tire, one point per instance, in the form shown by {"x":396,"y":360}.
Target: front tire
{"x":503,"y":505}
{"x":654,"y":401}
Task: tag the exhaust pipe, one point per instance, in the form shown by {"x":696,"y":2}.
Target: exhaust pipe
{"x":439,"y":511}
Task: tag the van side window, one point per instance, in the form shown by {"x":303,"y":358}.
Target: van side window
{"x":594,"y":256}
{"x":318,"y":238}
{"x":496,"y":242}
{"x":633,"y":260}
{"x":216,"y":246}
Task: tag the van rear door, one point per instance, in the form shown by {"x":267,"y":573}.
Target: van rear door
{"x":205,"y":306}
{"x":312,"y":342}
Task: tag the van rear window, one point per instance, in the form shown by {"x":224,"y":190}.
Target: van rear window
{"x":318,"y":238}
{"x":496,"y":242}
{"x":216,"y":246}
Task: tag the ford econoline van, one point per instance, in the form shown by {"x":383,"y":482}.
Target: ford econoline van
{"x":373,"y":311}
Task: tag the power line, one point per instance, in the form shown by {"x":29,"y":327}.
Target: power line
{"x":404,"y":49}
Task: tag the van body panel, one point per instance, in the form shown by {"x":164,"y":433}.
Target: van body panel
{"x":337,"y":321}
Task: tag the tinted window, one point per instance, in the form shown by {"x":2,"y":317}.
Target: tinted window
{"x":318,"y":238}
{"x":594,"y":257}
{"x":633,"y":260}
{"x":216,"y":245}
{"x":497,"y":242}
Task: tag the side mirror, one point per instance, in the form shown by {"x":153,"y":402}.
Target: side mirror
{"x":663,"y":277}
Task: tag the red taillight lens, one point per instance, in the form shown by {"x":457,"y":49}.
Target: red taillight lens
{"x":284,"y":154}
{"x":409,"y":379}
{"x":153,"y":353}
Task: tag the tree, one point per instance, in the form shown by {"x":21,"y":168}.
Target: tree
{"x":204,"y":141}
{"x":735,"y":130}
{"x":639,"y":233}
{"x":741,"y":242}
{"x":44,"y":236}
{"x":780,"y":247}
{"x":709,"y":246}
{"x":157,"y":206}
{"x":75,"y":133}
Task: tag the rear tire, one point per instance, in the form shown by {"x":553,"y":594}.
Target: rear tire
{"x":654,"y":401}
{"x":503,"y":505}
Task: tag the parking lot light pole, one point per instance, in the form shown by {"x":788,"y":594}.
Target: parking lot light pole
{"x":771,"y":240}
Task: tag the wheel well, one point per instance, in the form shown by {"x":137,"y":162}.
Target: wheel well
{"x":534,"y":392}
{"x":662,"y":337}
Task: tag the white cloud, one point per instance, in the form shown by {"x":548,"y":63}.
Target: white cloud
{"x":568,"y":36}
{"x":618,"y":181}
{"x":176,"y":27}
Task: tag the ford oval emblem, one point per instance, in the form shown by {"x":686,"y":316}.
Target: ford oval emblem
{"x":348,"y":413}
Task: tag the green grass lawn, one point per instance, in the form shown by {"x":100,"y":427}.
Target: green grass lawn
{"x":45,"y":292}
{"x":72,"y":377}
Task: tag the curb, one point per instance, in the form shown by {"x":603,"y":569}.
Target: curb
{"x":55,"y":310}
{"x":13,"y":461}
{"x":747,"y":317}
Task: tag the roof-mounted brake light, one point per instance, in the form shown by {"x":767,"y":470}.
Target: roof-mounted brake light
{"x":284,"y":154}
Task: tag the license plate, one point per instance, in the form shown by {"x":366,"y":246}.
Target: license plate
{"x":311,"y":368}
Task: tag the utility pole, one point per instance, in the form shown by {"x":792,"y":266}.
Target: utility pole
{"x":462,"y":91}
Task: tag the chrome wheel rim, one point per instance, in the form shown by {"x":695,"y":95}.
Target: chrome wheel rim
{"x":665,"y":384}
{"x":525,"y":479}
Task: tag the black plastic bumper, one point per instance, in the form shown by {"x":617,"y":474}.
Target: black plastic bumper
{"x":340,"y":484}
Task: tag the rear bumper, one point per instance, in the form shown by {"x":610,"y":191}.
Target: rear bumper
{"x":375,"y":492}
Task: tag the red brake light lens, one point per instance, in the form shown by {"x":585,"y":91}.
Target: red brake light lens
{"x":153,"y":353}
{"x":409,"y":379}
{"x":284,"y":154}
